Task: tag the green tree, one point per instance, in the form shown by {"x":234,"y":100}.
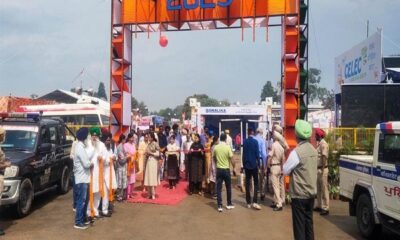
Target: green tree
{"x":317,"y":93}
{"x":140,"y":106}
{"x":225,"y":102}
{"x":178,"y":111}
{"x":169,"y":113}
{"x":134,"y":103}
{"x":143,"y":109}
{"x":328,"y":99}
{"x":269,"y":91}
{"x":314,"y":78}
{"x":101,"y":92}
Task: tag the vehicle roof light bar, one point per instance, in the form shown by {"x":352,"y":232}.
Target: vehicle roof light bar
{"x":29,"y":115}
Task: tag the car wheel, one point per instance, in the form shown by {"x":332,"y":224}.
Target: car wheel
{"x":365,"y":217}
{"x":23,"y":206}
{"x":63,"y":185}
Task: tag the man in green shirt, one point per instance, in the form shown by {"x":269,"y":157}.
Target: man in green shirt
{"x":222,"y":155}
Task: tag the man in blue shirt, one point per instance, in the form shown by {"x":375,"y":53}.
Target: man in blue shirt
{"x":251,"y":159}
{"x":162,"y":137}
{"x":82,"y":166}
{"x":262,"y":147}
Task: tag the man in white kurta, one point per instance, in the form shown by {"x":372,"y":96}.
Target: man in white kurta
{"x":99,"y":151}
{"x":110,"y":181}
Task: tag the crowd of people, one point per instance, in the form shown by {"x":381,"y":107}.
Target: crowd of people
{"x":104,"y":170}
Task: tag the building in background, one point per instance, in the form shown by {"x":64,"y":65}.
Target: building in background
{"x":12,"y":104}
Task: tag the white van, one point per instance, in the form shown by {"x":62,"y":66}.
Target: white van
{"x":74,"y":114}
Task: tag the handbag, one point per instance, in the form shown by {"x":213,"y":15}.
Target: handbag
{"x":240,"y":182}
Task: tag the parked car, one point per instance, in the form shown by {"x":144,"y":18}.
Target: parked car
{"x":371,"y":183}
{"x":40,"y":156}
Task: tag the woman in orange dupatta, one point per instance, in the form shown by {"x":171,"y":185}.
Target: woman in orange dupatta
{"x":142,"y":157}
{"x":207,"y":158}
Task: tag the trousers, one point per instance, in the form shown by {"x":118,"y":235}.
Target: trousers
{"x":322,"y":189}
{"x":194,"y":186}
{"x":105,"y":201}
{"x":251,"y":173}
{"x":122,"y":177}
{"x":278,"y":185}
{"x":224,"y":175}
{"x":1,"y":184}
{"x":81,"y":202}
{"x":96,"y":203}
{"x":302,"y":217}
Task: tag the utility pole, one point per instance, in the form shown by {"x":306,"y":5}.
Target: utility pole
{"x":367,"y":28}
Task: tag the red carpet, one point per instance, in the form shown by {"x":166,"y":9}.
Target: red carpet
{"x":164,"y":195}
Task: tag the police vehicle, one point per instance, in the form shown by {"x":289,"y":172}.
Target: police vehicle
{"x":371,"y":183}
{"x":39,"y":152}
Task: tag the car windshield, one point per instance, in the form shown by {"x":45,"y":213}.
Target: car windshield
{"x":20,"y":138}
{"x":392,"y":148}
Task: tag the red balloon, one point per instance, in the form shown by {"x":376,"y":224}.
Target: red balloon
{"x":163,"y":41}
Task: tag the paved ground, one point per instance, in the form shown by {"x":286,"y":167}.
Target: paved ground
{"x":195,"y":218}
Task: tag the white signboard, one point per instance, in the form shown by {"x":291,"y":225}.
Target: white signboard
{"x":127,"y":115}
{"x":257,"y":111}
{"x":361,"y":64}
{"x":192,"y":102}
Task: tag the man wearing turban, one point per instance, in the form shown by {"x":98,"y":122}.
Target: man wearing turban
{"x":82,"y":166}
{"x":276,"y":156}
{"x":301,"y":165}
{"x":98,"y":149}
{"x":322,"y":177}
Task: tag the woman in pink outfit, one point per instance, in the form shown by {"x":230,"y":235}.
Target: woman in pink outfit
{"x":130,"y":151}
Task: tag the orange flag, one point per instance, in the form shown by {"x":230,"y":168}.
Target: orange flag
{"x":101,"y":178}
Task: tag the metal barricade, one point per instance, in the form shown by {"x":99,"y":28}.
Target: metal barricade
{"x":356,"y":138}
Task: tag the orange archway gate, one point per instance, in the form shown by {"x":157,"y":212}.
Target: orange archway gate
{"x":130,"y":17}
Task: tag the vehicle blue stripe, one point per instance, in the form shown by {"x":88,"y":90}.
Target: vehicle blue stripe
{"x":386,"y":174}
{"x":355,"y":167}
{"x":381,"y":173}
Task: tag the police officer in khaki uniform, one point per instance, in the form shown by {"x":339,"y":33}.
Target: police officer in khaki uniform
{"x":3,"y":164}
{"x":276,"y":156}
{"x":322,"y":177}
{"x":277,"y":128}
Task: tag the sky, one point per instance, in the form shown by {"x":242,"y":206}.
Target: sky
{"x":45,"y":45}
